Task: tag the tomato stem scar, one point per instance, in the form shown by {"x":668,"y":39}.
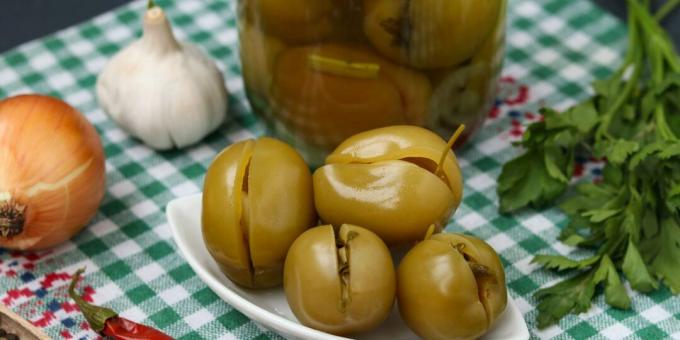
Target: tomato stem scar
{"x":449,"y":145}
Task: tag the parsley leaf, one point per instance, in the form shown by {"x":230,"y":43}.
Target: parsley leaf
{"x":618,"y":151}
{"x":558,"y":262}
{"x":572,"y":295}
{"x":614,"y":293}
{"x":665,"y":263}
{"x":518,"y":182}
{"x":636,"y":271}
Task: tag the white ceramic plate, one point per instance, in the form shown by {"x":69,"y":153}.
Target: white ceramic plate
{"x":269,"y":307}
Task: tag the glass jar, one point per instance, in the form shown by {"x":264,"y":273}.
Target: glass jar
{"x":319,"y":71}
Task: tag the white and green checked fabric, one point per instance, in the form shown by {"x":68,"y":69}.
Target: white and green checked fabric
{"x":555,"y":47}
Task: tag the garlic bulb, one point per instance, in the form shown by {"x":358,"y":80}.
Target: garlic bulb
{"x":166,"y":93}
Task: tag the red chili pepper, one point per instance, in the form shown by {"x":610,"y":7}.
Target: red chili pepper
{"x":107,"y":322}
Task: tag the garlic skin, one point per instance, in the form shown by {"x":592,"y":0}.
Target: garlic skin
{"x":166,"y":93}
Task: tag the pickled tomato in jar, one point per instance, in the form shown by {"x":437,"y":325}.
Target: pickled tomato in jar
{"x":319,"y":71}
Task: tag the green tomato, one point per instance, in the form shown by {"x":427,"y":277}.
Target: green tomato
{"x":340,"y":285}
{"x":430,"y":33}
{"x":388,"y":180}
{"x":257,"y":199}
{"x":295,"y":21}
{"x":451,"y":286}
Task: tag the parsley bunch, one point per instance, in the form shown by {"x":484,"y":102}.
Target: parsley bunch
{"x":631,"y":220}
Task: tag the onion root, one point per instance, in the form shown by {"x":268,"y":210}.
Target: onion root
{"x":12,"y":218}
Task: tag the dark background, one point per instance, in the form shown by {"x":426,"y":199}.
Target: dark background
{"x":24,"y":20}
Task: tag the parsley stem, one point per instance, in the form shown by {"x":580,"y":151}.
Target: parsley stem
{"x":636,"y":60}
{"x":603,"y":129}
{"x":659,"y":41}
{"x":672,"y":60}
{"x":630,"y":53}
{"x":659,"y":52}
{"x":663,"y":130}
{"x":668,"y":50}
{"x":665,"y":9}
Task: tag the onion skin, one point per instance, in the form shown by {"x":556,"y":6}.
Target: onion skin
{"x":51,"y":167}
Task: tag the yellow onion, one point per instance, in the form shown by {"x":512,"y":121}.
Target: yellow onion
{"x":51,"y":172}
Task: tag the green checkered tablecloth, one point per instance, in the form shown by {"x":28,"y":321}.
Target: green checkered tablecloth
{"x":555,"y":48}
